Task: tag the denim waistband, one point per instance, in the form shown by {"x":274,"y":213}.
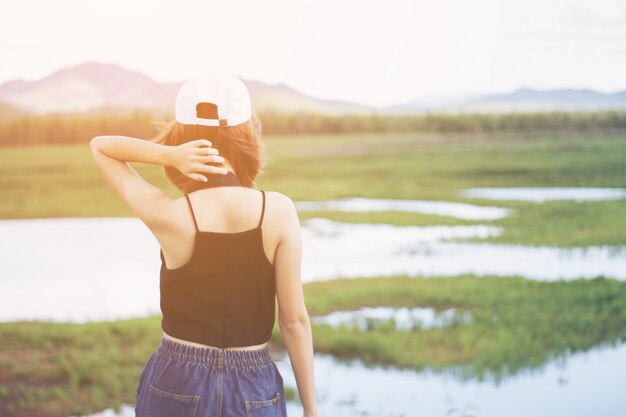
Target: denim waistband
{"x":215,"y":356}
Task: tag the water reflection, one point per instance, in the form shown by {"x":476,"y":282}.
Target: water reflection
{"x":567,"y":387}
{"x":542,"y":194}
{"x":403,"y":319}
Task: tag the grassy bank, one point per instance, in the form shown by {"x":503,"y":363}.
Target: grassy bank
{"x":564,"y":224}
{"x":516,"y":323}
{"x":63,"y":181}
{"x":62,"y":368}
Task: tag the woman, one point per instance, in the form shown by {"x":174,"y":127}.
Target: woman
{"x":228,"y":251}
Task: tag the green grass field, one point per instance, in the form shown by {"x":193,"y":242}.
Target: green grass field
{"x":63,"y":181}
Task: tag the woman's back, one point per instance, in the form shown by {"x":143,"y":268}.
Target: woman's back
{"x":221,"y":210}
{"x":223,"y":294}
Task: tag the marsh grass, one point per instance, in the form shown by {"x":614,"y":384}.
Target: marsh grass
{"x":63,"y":180}
{"x":516,"y":325}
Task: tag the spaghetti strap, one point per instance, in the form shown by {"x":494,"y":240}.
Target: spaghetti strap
{"x":262,"y":210}
{"x":191,"y":209}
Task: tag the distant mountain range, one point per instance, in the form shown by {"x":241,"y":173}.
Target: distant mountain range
{"x":98,"y":87}
{"x":525,"y":99}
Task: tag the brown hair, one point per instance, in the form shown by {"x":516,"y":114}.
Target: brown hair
{"x":240,"y":145}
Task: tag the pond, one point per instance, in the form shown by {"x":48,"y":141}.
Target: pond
{"x":343,"y":250}
{"x":542,"y":194}
{"x":403,"y":318}
{"x":85,"y":269}
{"x":561,"y":388}
{"x":440,"y":208}
{"x":566,"y":387}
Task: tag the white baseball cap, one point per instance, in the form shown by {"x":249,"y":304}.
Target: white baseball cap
{"x":213,"y":100}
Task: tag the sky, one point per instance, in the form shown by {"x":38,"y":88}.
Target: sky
{"x":377,"y":53}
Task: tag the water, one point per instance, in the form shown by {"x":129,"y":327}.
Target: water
{"x":346,"y":250}
{"x":568,"y":387}
{"x":581,"y":385}
{"x":404,"y":318}
{"x":87,"y":269}
{"x":78,"y":269}
{"x":542,"y":194}
{"x":126,"y":410}
{"x":440,"y":208}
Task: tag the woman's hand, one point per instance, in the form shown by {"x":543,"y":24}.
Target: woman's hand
{"x":191,"y":158}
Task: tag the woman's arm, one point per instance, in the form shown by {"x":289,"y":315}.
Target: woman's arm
{"x":129,"y":149}
{"x":112,"y":154}
{"x":293,"y":318}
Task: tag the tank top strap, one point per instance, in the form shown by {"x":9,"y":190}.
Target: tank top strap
{"x":193,"y":216}
{"x":262,"y":210}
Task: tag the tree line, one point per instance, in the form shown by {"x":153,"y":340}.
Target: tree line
{"x":80,"y":128}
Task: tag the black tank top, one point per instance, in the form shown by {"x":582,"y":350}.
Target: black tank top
{"x":224,"y":295}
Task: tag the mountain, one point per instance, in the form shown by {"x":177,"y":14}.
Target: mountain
{"x":99,"y":87}
{"x":8,"y":111}
{"x":524,"y":99}
{"x":95,"y":87}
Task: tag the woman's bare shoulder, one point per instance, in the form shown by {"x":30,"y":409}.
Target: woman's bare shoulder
{"x":280,"y":202}
{"x":281,"y":209}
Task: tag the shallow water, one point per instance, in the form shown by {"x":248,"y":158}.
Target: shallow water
{"x":85,"y":269}
{"x":568,"y":388}
{"x":404,"y":318}
{"x":542,"y":194}
{"x":581,"y":385}
{"x":441,"y":208}
{"x":335,"y":249}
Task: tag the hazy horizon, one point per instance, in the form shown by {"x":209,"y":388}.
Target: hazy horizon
{"x":361,"y":52}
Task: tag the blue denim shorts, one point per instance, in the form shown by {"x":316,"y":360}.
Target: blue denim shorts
{"x":188,"y":381}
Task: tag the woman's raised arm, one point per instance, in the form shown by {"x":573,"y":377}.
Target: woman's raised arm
{"x":112,"y":154}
